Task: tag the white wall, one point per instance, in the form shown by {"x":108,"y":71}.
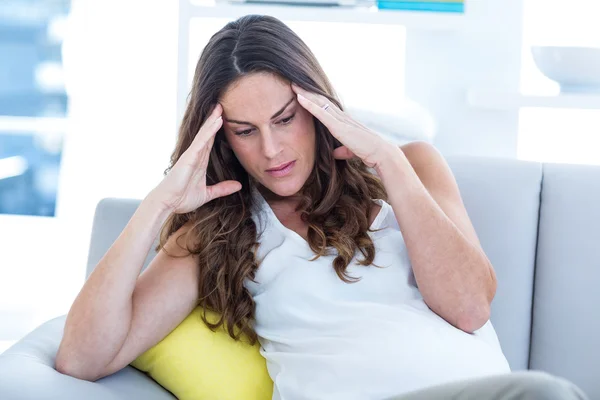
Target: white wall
{"x":442,"y":66}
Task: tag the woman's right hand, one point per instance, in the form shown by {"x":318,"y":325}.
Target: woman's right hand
{"x":184,"y":188}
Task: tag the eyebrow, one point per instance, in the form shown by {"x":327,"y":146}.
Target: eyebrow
{"x":277,"y":114}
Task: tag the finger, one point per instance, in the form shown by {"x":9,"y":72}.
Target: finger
{"x":332,"y":109}
{"x":204,"y":152}
{"x":208,"y":131}
{"x":314,"y":97}
{"x":216,"y":111}
{"x":198,"y":151}
{"x":342,"y":116}
{"x":322,"y":115}
{"x":321,"y":101}
{"x":343,"y":153}
{"x":337,"y":112}
{"x":214,"y":117}
{"x":222,"y":189}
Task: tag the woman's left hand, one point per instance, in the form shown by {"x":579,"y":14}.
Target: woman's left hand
{"x":357,"y":140}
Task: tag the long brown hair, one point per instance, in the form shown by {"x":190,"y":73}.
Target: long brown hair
{"x":336,"y":199}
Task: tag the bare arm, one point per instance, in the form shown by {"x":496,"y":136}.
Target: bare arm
{"x":117,"y":315}
{"x":454,"y":275}
{"x":164,"y":295}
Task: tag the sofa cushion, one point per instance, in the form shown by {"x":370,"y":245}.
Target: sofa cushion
{"x":27,"y":372}
{"x":193,"y":362}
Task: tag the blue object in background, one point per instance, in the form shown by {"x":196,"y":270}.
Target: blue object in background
{"x":449,"y":7}
{"x":29,"y":173}
{"x":29,"y":161}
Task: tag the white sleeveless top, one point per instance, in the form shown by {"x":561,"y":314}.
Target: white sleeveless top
{"x":373,"y":339}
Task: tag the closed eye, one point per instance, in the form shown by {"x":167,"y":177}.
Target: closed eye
{"x":244,"y":133}
{"x":284,"y":121}
{"x":287,"y":120}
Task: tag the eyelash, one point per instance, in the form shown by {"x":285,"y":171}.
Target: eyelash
{"x":284,"y":121}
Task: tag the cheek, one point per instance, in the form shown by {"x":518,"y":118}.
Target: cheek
{"x":245,"y":154}
{"x":242,"y":150}
{"x":304,"y":134}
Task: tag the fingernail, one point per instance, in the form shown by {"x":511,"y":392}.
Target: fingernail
{"x":300,"y":97}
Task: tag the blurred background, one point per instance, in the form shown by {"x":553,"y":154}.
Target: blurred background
{"x":91,"y":93}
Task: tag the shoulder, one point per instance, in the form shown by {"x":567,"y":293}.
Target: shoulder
{"x":429,"y":164}
{"x":422,"y":155}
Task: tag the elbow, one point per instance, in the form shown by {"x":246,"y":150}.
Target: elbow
{"x":477,"y":311}
{"x":74,"y":369}
{"x":474,"y":317}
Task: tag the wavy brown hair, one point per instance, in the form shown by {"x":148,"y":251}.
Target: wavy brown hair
{"x":336,"y":200}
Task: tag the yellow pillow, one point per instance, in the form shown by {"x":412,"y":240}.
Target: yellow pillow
{"x":195,"y":363}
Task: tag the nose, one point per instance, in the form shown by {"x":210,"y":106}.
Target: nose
{"x":271,"y":146}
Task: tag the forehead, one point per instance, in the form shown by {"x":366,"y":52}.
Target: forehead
{"x":256,"y":96}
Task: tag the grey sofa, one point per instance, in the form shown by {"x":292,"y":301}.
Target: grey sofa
{"x":539,"y":224}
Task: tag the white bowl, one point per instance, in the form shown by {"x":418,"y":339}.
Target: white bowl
{"x":576,"y":69}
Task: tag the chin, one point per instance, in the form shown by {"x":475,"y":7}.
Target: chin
{"x":284,"y":189}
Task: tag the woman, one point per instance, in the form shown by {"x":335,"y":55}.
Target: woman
{"x":353,"y":261}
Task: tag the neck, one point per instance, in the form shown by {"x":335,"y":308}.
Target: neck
{"x":280,"y":201}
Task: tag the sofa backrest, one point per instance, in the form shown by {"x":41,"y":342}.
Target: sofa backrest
{"x":502,"y":198}
{"x":110,"y":218}
{"x":566,"y":315}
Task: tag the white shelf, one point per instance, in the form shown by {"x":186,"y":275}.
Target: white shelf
{"x":370,"y":15}
{"x":28,"y":125}
{"x":500,"y":100}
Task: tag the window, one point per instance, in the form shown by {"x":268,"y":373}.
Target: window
{"x":33,"y":105}
{"x":33,"y":108}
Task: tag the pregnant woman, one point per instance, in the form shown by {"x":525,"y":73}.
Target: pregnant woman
{"x":351,"y":260}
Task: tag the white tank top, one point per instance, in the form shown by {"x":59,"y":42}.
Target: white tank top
{"x":373,"y":339}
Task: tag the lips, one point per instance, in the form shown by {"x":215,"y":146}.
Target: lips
{"x":280,"y":167}
{"x":281,"y":170}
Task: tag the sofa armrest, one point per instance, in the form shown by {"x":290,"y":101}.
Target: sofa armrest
{"x":27,"y":372}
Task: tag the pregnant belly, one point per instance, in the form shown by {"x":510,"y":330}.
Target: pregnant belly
{"x":380,"y":357}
